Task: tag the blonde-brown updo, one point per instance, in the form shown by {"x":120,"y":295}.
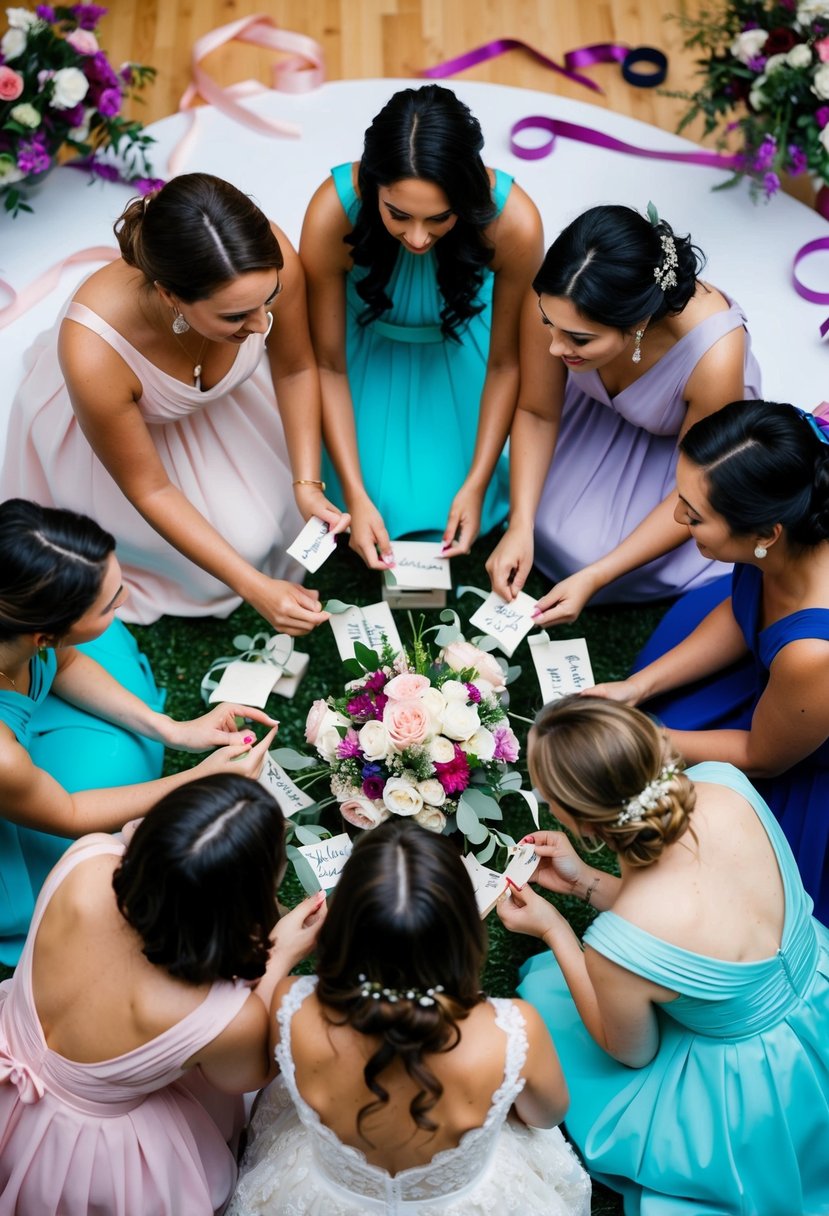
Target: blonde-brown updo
{"x":592,"y":756}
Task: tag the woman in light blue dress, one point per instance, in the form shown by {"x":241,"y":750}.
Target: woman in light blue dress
{"x":694,"y":1028}
{"x":81,"y":732}
{"x":418,"y":258}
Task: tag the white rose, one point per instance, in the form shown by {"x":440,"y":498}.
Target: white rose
{"x":69,"y":86}
{"x":808,"y":10}
{"x":453,"y":690}
{"x":26,"y":115}
{"x":824,"y":137}
{"x":773,"y":63}
{"x":820,"y":82}
{"x":12,"y":44}
{"x":374,"y":740}
{"x":481,"y":744}
{"x":401,"y":797}
{"x":749,"y":44}
{"x":460,"y":721}
{"x":328,"y":737}
{"x":81,"y":132}
{"x":434,"y":703}
{"x":441,"y":751}
{"x":9,"y":173}
{"x":799,"y":56}
{"x":431,"y":791}
{"x":21,"y":18}
{"x":431,"y":818}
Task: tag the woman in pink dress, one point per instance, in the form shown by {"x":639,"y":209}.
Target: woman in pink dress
{"x":139,"y":1011}
{"x":151,"y":407}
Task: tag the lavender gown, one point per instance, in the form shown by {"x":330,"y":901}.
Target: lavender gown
{"x":615,"y":460}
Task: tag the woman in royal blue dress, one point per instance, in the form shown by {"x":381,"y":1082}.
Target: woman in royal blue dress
{"x":694,"y":1029}
{"x":417,"y":259}
{"x":746,"y":677}
{"x":82,"y":734}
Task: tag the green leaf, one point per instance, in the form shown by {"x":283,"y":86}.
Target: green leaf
{"x":653,"y":214}
{"x":486,"y":852}
{"x":486,"y":643}
{"x":469,"y":823}
{"x":354,"y":668}
{"x":305,"y":874}
{"x":291,"y":760}
{"x":310,"y":833}
{"x":445,"y":635}
{"x":243,"y":642}
{"x":336,"y":606}
{"x":484,"y":805}
{"x":512,"y":673}
{"x":510,"y":781}
{"x":368,"y":657}
{"x":484,"y":595}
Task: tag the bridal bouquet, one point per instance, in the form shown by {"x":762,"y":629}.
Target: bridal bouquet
{"x":61,"y":98}
{"x":766,"y":75}
{"x":420,"y":734}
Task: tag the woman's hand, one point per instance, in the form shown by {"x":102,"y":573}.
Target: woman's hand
{"x":567,"y":599}
{"x":295,"y":934}
{"x":368,"y":535}
{"x":626,"y":691}
{"x":464,"y":522}
{"x":560,"y":869}
{"x":312,"y":501}
{"x":528,"y":912}
{"x":288,"y":607}
{"x":217,"y":728}
{"x":510,"y":562}
{"x":243,"y":760}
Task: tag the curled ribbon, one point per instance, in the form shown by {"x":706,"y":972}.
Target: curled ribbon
{"x":587,"y":135}
{"x":29,"y":1086}
{"x":808,"y":293}
{"x":261,"y":648}
{"x":24,"y":299}
{"x":584,"y":57}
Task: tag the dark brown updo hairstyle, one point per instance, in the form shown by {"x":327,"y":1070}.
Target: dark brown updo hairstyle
{"x":403,"y":917}
{"x":197,"y":233}
{"x":592,"y":756}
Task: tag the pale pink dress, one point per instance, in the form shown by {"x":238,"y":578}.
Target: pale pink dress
{"x":224,"y":448}
{"x":123,"y":1137}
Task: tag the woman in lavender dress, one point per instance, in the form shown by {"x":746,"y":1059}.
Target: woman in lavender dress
{"x":641,"y":350}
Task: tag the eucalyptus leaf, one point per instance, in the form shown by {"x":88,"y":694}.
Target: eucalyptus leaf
{"x":291,"y":760}
{"x":445,"y":635}
{"x":484,"y":805}
{"x":305,"y":874}
{"x":469,"y":823}
{"x":336,"y":606}
{"x":310,"y":833}
{"x":243,"y":642}
{"x":486,"y":852}
{"x":485,"y":642}
{"x":512,"y":673}
{"x":532,"y":802}
{"x":510,"y":781}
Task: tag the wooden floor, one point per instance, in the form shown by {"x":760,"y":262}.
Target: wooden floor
{"x":370,"y":38}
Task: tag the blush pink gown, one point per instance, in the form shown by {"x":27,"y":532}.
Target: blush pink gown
{"x":224,"y":448}
{"x":132,"y":1136}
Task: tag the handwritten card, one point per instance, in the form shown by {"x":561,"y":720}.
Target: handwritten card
{"x":292,"y":673}
{"x":327,"y":859}
{"x":508,"y":621}
{"x":366,"y":625}
{"x":313,"y":545}
{"x":288,"y":796}
{"x":490,"y":887}
{"x":247,"y":683}
{"x":418,"y":564}
{"x":561,"y":667}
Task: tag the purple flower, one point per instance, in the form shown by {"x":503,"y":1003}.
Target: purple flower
{"x":473,"y":693}
{"x":98,"y":70}
{"x":361,"y":707}
{"x":46,"y":13}
{"x":108,"y":173}
{"x":373,"y":788}
{"x":797,"y":159}
{"x":377,"y":681}
{"x":109,"y":103}
{"x":74,"y":117}
{"x":764,"y":156}
{"x":125,"y":73}
{"x":32,"y":157}
{"x":756,"y":63}
{"x":822,"y":116}
{"x":506,"y":745}
{"x":148,"y":185}
{"x":87,"y":15}
{"x":771,"y":184}
{"x":349,"y":746}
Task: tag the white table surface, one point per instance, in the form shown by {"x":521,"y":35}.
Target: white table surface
{"x":749,"y":247}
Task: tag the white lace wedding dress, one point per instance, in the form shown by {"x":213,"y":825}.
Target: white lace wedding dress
{"x":295,"y":1166}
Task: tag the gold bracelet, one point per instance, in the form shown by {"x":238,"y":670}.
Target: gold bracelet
{"x":307,"y":481}
{"x":589,"y":891}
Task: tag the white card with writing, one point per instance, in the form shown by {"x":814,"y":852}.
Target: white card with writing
{"x":292,"y":674}
{"x":327,"y":859}
{"x":418,"y":564}
{"x":522,"y":864}
{"x":314,"y":544}
{"x":561,"y":667}
{"x":366,"y":625}
{"x":288,"y":796}
{"x":247,"y":683}
{"x":489,"y":886}
{"x":508,"y":621}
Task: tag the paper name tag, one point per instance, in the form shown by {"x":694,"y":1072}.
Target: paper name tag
{"x":314,"y":544}
{"x":508,"y":621}
{"x":288,"y":796}
{"x":247,"y":683}
{"x":416,"y":564}
{"x":561,"y":667}
{"x":366,"y":625}
{"x":490,"y":887}
{"x":327,"y":859}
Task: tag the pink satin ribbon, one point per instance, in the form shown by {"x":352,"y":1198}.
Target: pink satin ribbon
{"x":584,"y":57}
{"x":33,"y":292}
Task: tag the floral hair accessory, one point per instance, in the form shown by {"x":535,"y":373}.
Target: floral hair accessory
{"x":665,"y":274}
{"x":650,"y":797}
{"x":369,"y":988}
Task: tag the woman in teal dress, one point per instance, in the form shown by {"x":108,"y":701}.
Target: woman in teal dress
{"x":81,"y":732}
{"x":694,"y":1028}
{"x":418,"y":258}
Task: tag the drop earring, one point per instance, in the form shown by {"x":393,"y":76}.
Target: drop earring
{"x":760,"y":552}
{"x":637,"y":343}
{"x":180,"y":326}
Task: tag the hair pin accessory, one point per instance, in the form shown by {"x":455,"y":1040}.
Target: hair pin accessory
{"x":650,"y":797}
{"x":665,"y":274}
{"x":375,"y":991}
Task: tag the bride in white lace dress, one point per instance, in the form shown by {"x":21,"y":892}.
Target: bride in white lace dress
{"x":403,"y":1089}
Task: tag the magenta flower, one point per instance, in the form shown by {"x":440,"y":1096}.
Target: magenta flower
{"x":349,"y":745}
{"x":148,"y":185}
{"x":771,"y":184}
{"x":473,"y":693}
{"x":797,"y":160}
{"x":109,"y":103}
{"x":32,"y":156}
{"x":822,"y":116}
{"x":362,"y":707}
{"x":376,"y":682}
{"x":454,"y":774}
{"x":764,"y":156}
{"x":373,"y":788}
{"x":87,"y":15}
{"x":46,"y":13}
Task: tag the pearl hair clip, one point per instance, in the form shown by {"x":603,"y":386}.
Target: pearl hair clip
{"x":665,"y":274}
{"x":377,"y":992}
{"x":649,"y":799}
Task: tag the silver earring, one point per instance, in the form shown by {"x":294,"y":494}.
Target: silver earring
{"x":180,"y":326}
{"x":637,"y":342}
{"x":760,"y":552}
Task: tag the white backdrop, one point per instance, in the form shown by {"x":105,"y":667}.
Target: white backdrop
{"x":749,"y":248}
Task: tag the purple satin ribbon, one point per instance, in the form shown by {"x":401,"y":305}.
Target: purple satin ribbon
{"x":808,"y":293}
{"x":587,"y":135}
{"x":584,"y":57}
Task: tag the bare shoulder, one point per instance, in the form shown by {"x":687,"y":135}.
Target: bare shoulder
{"x":517,"y":232}
{"x":110,"y":291}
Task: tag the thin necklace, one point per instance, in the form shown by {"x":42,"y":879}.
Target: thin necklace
{"x":10,"y":680}
{"x":198,"y":364}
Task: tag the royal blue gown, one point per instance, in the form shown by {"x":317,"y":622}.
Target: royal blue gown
{"x":731,"y":1117}
{"x":416,"y":394}
{"x":799,"y":797}
{"x":81,"y":752}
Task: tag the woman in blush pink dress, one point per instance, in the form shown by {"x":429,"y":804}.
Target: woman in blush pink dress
{"x":129,"y":1030}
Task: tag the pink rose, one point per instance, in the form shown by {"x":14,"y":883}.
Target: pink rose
{"x":363,"y":813}
{"x":822,"y":50}
{"x":84,"y":42}
{"x":406,"y":687}
{"x":406,"y":723}
{"x":461,"y":656}
{"x":11,"y":84}
{"x":315,"y":719}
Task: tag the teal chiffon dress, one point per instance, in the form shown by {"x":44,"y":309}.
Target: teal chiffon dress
{"x":731,"y":1117}
{"x":81,"y":752}
{"x":416,"y":394}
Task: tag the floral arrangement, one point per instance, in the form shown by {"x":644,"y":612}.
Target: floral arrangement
{"x":421,"y":735}
{"x":60,"y":95}
{"x":766,"y":70}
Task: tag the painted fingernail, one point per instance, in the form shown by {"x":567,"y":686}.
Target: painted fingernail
{"x":535,"y":612}
{"x":248,"y":738}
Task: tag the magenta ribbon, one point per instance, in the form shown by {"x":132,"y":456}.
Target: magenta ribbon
{"x":584,"y":57}
{"x":587,"y":135}
{"x":808,"y":293}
